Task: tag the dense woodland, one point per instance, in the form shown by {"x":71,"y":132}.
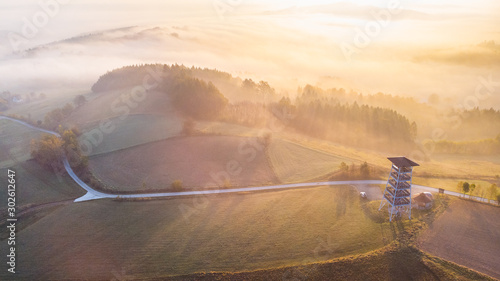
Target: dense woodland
{"x":343,"y":116}
{"x":314,"y":112}
{"x":195,"y":98}
{"x":474,"y":124}
{"x":347,"y":123}
{"x":471,"y":131}
{"x":234,"y":89}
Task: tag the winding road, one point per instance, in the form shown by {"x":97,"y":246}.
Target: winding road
{"x":93,"y":194}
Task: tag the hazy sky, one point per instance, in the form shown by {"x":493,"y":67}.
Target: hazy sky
{"x":400,"y":47}
{"x":457,"y":21}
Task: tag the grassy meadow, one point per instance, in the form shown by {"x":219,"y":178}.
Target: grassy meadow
{"x":234,"y":232}
{"x":35,"y":185}
{"x":197,"y":161}
{"x":15,"y":140}
{"x":320,"y":233}
{"x":295,"y":163}
{"x":37,"y":107}
{"x":133,"y":130}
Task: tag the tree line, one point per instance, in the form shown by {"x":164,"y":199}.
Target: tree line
{"x":347,"y":123}
{"x":477,"y":147}
{"x":133,"y":75}
{"x":478,"y":123}
{"x":361,"y":171}
{"x":491,"y":192}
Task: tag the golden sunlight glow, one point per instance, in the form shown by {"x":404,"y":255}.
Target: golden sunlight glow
{"x":446,"y":44}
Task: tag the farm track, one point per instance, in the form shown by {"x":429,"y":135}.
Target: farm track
{"x":93,"y":194}
{"x":436,"y":240}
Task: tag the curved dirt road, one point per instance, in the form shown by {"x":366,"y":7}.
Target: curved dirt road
{"x":93,"y":194}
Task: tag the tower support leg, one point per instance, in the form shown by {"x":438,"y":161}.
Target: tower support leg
{"x":390,"y":213}
{"x":382,"y":204}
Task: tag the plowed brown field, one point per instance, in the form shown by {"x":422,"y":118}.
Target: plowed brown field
{"x":468,"y":233}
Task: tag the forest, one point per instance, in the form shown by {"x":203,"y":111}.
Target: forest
{"x":348,"y":123}
{"x":347,"y":117}
{"x":193,"y":97}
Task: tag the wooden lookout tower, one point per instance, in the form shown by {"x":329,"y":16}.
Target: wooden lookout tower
{"x":398,"y":188}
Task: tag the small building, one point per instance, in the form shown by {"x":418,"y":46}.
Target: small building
{"x":17,"y":99}
{"x":423,"y":201}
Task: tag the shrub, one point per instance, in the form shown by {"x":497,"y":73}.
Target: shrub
{"x":364,"y":169}
{"x":344,"y":168}
{"x":79,"y":100}
{"x":227,"y":184}
{"x":177,"y":185}
{"x":48,"y":152}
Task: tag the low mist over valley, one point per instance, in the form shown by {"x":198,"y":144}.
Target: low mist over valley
{"x":250,"y":140}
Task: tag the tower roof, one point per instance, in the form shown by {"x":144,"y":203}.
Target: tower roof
{"x":402,"y":162}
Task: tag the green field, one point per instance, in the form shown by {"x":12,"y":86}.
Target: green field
{"x":295,"y":163}
{"x":223,"y":128}
{"x":37,"y":109}
{"x":181,"y":236}
{"x":15,"y":142}
{"x":441,"y":171}
{"x":35,"y":185}
{"x":462,"y":166}
{"x":108,"y":239}
{"x":132,"y":130}
{"x":198,"y":161}
{"x":466,"y":157}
